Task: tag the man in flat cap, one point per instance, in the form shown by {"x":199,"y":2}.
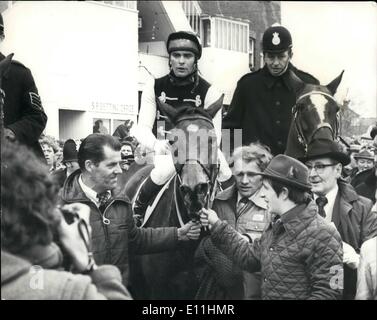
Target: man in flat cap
{"x":263,"y":100}
{"x":24,"y":117}
{"x":182,"y":85}
{"x":299,"y":253}
{"x":339,"y":203}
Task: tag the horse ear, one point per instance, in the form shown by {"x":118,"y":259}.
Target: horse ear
{"x":5,"y":64}
{"x":167,"y":110}
{"x":333,"y":85}
{"x":296,"y":83}
{"x":215,"y":107}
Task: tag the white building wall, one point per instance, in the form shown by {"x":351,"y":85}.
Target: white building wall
{"x":83,"y":55}
{"x":223,"y":68}
{"x":151,"y":66}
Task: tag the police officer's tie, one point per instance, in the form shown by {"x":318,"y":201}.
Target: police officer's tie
{"x":321,"y":202}
{"x":103,"y":199}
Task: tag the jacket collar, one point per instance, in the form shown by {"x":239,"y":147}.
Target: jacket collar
{"x":270,"y":80}
{"x":72,"y":191}
{"x":232,"y":192}
{"x":6,"y":73}
{"x":347,"y":192}
{"x":297,"y":219}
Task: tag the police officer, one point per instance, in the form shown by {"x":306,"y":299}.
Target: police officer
{"x":182,"y":83}
{"x":262,"y":102}
{"x":24,"y":117}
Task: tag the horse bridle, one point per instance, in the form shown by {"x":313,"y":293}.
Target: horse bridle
{"x":301,"y":137}
{"x":212,"y":176}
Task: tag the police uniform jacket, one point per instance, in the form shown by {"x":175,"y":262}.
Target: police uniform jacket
{"x":23,"y":111}
{"x":262,"y":107}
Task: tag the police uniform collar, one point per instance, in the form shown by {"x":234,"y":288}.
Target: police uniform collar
{"x":270,"y":80}
{"x":5,"y":74}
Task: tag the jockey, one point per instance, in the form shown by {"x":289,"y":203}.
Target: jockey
{"x":183,"y":83}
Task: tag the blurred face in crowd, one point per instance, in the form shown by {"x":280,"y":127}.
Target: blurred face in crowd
{"x":182,"y":63}
{"x":277,"y":62}
{"x":48,"y":152}
{"x":323,"y":174}
{"x":364,"y":164}
{"x":248,"y":180}
{"x":104,"y":175}
{"x":58,"y":156}
{"x":126,"y":150}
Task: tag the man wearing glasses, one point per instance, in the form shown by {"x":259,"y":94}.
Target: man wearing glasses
{"x":339,"y":203}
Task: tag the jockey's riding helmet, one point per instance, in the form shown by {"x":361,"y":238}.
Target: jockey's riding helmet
{"x":184,"y":40}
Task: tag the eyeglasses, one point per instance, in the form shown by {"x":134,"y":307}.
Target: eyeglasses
{"x":319,"y":168}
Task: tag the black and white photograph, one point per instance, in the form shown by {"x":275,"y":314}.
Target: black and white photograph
{"x":188,"y":155}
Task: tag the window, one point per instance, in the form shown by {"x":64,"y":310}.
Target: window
{"x":261,"y":60}
{"x":206,"y":33}
{"x":251,"y":53}
{"x":192,"y":11}
{"x":121,"y":4}
{"x":230,"y":35}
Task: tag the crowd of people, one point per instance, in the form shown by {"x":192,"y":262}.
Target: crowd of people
{"x":279,"y":227}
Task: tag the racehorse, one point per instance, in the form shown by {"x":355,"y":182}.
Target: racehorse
{"x":170,"y":275}
{"x":4,"y":67}
{"x":315,"y":115}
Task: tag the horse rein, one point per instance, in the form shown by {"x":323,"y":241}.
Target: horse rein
{"x":301,"y":137}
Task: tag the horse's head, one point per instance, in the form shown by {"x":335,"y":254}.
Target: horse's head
{"x":315,"y":114}
{"x":194,"y":148}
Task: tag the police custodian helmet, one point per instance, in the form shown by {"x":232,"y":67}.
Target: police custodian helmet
{"x":276,"y":39}
{"x":184,"y":40}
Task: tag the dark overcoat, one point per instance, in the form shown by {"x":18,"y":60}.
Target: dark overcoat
{"x":262,"y":107}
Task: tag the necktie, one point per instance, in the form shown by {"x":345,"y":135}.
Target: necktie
{"x":103,"y":199}
{"x":242,"y":204}
{"x":321,"y":202}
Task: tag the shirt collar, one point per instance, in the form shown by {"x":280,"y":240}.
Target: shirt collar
{"x":255,"y":199}
{"x":89,"y":192}
{"x":331,"y":197}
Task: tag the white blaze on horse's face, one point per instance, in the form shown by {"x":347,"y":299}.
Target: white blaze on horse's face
{"x":319,"y":101}
{"x":318,"y":110}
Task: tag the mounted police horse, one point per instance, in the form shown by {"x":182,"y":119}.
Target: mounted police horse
{"x":171,"y":275}
{"x":315,"y":115}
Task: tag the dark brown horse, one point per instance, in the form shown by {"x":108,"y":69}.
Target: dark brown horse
{"x":315,"y":115}
{"x":171,"y":275}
